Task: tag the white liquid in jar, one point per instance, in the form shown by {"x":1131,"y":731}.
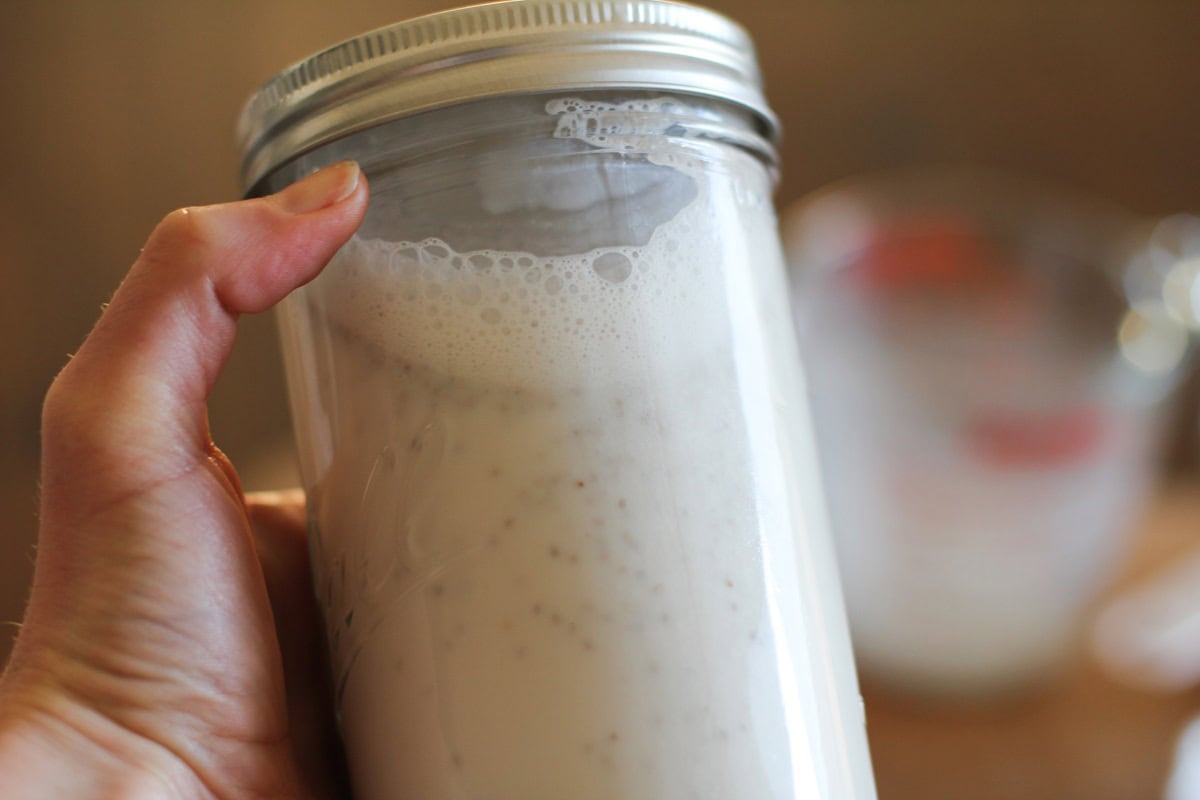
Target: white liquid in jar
{"x":553,"y":520}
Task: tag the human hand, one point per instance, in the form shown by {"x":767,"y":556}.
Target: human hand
{"x":166,"y":608}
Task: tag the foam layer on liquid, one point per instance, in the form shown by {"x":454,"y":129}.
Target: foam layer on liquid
{"x":515,"y":316}
{"x":509,"y":317}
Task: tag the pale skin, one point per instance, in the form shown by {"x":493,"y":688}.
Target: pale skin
{"x":170,"y":648}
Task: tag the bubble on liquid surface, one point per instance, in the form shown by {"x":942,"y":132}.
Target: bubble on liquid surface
{"x":612,"y":267}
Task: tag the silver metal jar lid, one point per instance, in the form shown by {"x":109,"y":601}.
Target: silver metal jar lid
{"x":494,"y":49}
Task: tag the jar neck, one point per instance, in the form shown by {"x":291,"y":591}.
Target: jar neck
{"x":609,"y":120}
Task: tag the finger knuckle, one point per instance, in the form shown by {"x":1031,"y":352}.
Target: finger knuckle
{"x":65,"y":417}
{"x":184,"y":229}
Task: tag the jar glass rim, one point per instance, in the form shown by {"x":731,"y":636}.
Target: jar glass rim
{"x":496,"y":49}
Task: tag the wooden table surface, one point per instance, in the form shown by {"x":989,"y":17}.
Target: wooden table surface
{"x":1082,"y":737}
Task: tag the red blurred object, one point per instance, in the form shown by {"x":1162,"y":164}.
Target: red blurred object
{"x":1037,"y":441}
{"x":924,"y":253}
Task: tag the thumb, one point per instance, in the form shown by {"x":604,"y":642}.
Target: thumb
{"x":133,"y":397}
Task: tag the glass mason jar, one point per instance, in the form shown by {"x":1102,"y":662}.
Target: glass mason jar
{"x":567,"y":531}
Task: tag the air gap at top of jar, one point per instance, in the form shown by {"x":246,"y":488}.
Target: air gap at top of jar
{"x":567,"y":531}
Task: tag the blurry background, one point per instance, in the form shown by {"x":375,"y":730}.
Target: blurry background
{"x":115,"y":113}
